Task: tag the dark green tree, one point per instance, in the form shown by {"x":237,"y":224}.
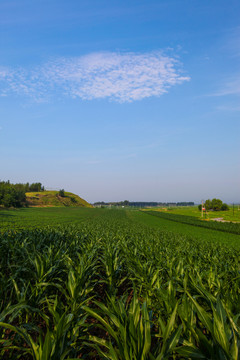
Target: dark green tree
{"x":216,"y":204}
{"x":224,"y":207}
{"x":35,"y":187}
{"x":8,"y":200}
{"x":12,"y":195}
{"x":61,"y":193}
{"x":208,"y":204}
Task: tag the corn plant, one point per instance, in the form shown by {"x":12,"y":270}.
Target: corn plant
{"x":109,"y":287}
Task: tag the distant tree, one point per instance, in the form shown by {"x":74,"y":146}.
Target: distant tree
{"x":208,"y":204}
{"x":184,"y":203}
{"x":216,"y":204}
{"x":224,"y":207}
{"x":19,"y":198}
{"x":200,"y":207}
{"x":35,"y":187}
{"x":8,"y":200}
{"x":61,"y":193}
{"x":12,"y":195}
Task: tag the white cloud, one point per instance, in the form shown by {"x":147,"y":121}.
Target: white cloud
{"x":122,"y":77}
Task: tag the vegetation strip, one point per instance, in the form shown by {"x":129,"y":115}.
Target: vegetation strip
{"x":230,"y":227}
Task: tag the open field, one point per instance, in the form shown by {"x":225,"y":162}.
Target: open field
{"x":37,"y":217}
{"x":233,"y":214}
{"x":229,"y":227}
{"x":116,"y":284}
{"x":176,"y":227}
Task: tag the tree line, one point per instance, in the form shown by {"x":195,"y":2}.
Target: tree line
{"x":143,"y":203}
{"x":14,"y":195}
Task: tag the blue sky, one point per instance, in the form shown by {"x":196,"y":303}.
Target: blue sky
{"x":118,"y":100}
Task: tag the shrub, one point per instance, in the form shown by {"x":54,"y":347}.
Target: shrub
{"x":61,"y":193}
{"x":224,"y":207}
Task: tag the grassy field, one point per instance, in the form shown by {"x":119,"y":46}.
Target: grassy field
{"x":233,"y":214}
{"x":116,"y":284}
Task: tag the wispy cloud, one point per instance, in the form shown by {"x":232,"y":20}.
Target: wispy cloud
{"x":232,"y":87}
{"x":232,"y":108}
{"x":122,"y":77}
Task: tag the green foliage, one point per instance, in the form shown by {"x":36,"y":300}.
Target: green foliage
{"x":61,"y":193}
{"x":215,"y":205}
{"x":52,"y":198}
{"x":224,"y":207}
{"x":11,"y":195}
{"x":34,"y":187}
{"x":106,"y":287}
{"x":208,"y":204}
{"x":228,"y":227}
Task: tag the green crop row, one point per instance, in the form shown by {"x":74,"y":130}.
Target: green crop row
{"x":109,"y":288}
{"x":229,"y":227}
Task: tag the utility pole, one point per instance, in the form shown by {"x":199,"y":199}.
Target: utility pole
{"x":202,"y":208}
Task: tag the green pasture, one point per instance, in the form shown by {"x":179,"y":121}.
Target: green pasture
{"x":233,"y":214}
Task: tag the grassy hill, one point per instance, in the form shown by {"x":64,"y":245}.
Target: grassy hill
{"x":52,"y":198}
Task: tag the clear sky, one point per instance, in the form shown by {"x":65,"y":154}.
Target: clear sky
{"x":122,"y":99}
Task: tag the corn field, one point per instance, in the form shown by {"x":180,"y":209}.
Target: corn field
{"x":110,"y":289}
{"x":229,"y":227}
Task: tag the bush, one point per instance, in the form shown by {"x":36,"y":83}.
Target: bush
{"x":224,"y":207}
{"x":73,"y":199}
{"x":61,"y":193}
{"x":216,"y":204}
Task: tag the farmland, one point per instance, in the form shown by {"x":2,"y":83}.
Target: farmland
{"x":228,"y":227}
{"x":116,"y":284}
{"x":233,"y":214}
